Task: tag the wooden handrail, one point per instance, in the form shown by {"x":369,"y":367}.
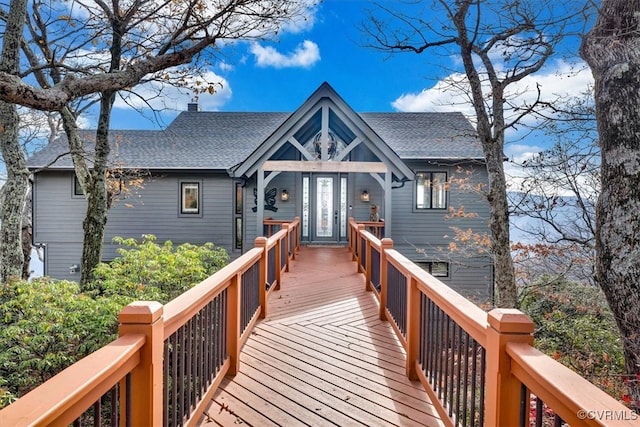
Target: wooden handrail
{"x":571,"y":396}
{"x":138,"y":352}
{"x":178,"y":311}
{"x":64,"y":397}
{"x":462,"y":311}
{"x":505,"y":334}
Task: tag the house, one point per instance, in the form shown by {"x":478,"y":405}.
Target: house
{"x":216,"y":176}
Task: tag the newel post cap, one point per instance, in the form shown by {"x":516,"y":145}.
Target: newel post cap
{"x":141,"y":312}
{"x":510,"y":321}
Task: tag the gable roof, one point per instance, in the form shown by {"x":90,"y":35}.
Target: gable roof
{"x":227,"y":140}
{"x":323,"y":99}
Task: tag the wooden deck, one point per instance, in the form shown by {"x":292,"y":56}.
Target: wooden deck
{"x":322,"y":357}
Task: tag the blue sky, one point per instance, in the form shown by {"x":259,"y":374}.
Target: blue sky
{"x":279,"y":75}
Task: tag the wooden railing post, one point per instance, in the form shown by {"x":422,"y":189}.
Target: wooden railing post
{"x":233,"y":322}
{"x":359,"y":247}
{"x":385,"y":245}
{"x":278,"y":263}
{"x":261,"y":242}
{"x":145,"y":317}
{"x":413,"y":327}
{"x":297,"y":237}
{"x":351,"y":239}
{"x":367,"y":266}
{"x":287,"y":248}
{"x":502,"y":389}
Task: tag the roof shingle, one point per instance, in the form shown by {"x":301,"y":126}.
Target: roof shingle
{"x":220,"y":140}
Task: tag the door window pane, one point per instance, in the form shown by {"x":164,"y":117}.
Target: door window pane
{"x":324,"y":207}
{"x":305,"y":206}
{"x":343,"y":207}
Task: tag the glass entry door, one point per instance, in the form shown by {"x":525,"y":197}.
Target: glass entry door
{"x":328,"y":212}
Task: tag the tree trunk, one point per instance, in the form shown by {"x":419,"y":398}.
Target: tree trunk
{"x":95,"y":220}
{"x":27,"y":234}
{"x":505,"y":281}
{"x":612,"y":50}
{"x":15,"y":189}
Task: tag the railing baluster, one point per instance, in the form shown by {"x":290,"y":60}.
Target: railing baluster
{"x":524,"y":405}
{"x":474,"y":376}
{"x":461,"y":334}
{"x":465,"y":395}
{"x":539,"y":407}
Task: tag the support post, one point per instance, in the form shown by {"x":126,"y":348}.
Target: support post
{"x":145,"y":317}
{"x":261,"y":242}
{"x":367,"y":265}
{"x":359,"y":247}
{"x":505,"y":325}
{"x":278,"y":263}
{"x":413,"y":327}
{"x":287,"y":248}
{"x":260,"y":203}
{"x":386,"y":231}
{"x":298,"y":231}
{"x":385,"y":245}
{"x":233,"y":323}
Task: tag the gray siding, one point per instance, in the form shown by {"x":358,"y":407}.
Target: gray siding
{"x":420,"y":235}
{"x":425,"y":235}
{"x":154,"y":209}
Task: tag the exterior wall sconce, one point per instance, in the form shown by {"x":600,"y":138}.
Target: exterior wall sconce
{"x":364,"y":196}
{"x":284,"y":195}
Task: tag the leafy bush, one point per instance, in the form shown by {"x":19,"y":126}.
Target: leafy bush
{"x":146,"y":270}
{"x":575,"y":326}
{"x":47,"y":325}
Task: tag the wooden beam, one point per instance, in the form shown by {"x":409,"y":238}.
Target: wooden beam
{"x":319,"y":166}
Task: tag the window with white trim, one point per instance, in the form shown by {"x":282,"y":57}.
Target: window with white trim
{"x":431,"y":190}
{"x":189,"y":198}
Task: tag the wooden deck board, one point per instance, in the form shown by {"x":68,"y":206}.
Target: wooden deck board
{"x":321,"y":357}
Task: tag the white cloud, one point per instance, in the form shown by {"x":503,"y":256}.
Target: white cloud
{"x":558,"y":80}
{"x":161,"y":96}
{"x":305,"y":55}
{"x":446,"y":95}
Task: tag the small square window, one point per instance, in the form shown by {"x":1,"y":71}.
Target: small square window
{"x":190,"y":198}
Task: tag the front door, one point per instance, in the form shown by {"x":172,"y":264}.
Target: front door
{"x":328,"y":212}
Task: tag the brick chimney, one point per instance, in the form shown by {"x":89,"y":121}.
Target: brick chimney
{"x":193,"y":107}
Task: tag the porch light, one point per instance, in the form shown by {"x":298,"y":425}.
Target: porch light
{"x":284,"y":195}
{"x":364,"y":196}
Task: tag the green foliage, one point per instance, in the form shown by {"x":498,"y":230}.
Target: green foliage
{"x":47,"y":325}
{"x":148,"y":271}
{"x":575,"y":326}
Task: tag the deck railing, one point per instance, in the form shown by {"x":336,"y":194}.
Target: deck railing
{"x":169,"y":360}
{"x":481,"y":367}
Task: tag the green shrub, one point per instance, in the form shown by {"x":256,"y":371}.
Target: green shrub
{"x":47,"y":325}
{"x":148,"y":271}
{"x":575,"y":326}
